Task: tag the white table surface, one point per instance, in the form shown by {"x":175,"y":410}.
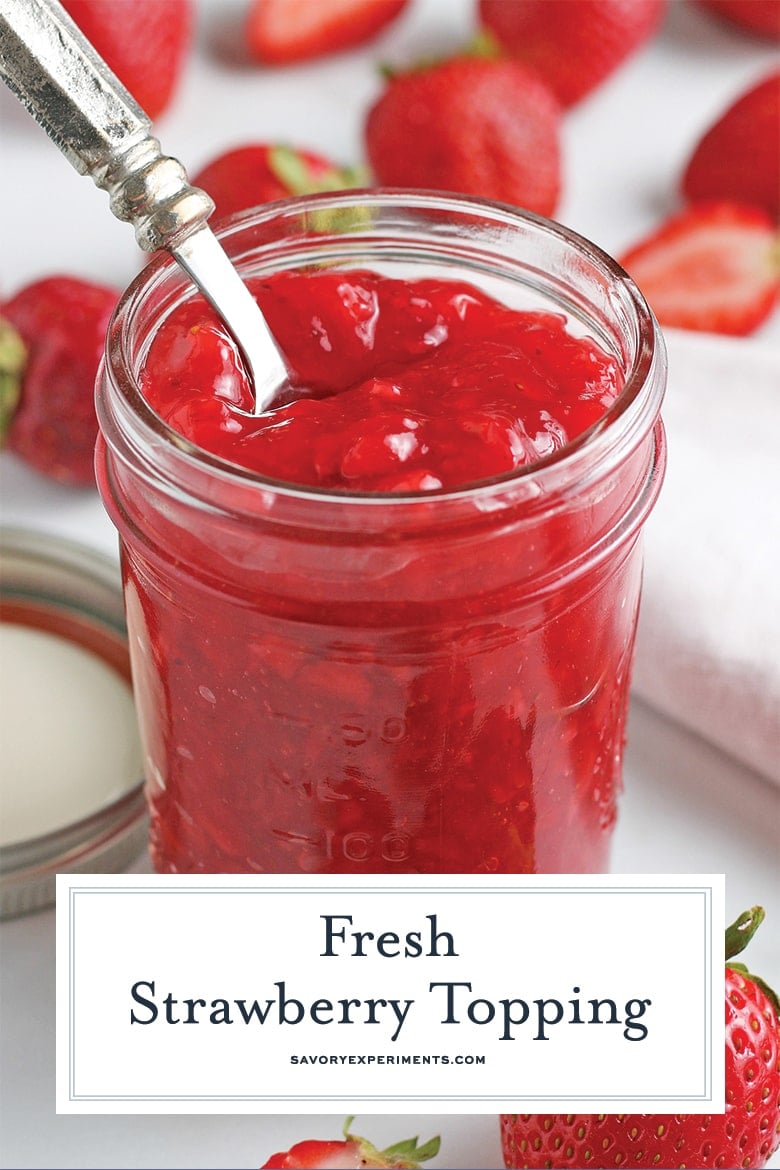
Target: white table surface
{"x":687,"y":807}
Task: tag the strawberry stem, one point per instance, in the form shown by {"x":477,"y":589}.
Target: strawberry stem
{"x":485,"y":45}
{"x":738,"y":935}
{"x":482,"y":45}
{"x":294,"y":172}
{"x":410,"y":1149}
{"x":405,"y":1154}
{"x":347,"y":1127}
{"x":13,"y":359}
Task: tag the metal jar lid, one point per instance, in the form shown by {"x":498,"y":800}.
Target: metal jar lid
{"x":71,"y":588}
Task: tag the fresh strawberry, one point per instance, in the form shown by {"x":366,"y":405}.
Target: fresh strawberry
{"x":353,"y":1152}
{"x":747,"y":1134}
{"x":251,"y":175}
{"x":575,"y":45}
{"x":482,"y":126}
{"x":13,"y":359}
{"x":757,"y":16}
{"x":713,"y":267}
{"x":145,"y":42}
{"x":280,"y":32}
{"x":739,"y":156}
{"x":62,"y":323}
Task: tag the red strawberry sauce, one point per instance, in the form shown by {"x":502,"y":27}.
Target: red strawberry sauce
{"x":380,"y":695}
{"x":404,"y":387}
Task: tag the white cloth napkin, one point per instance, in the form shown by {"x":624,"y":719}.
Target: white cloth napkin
{"x":708,"y":650}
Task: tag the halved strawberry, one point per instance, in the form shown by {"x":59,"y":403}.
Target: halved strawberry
{"x":739,"y":156}
{"x":713,"y":267}
{"x":283,"y":31}
{"x":353,"y":1153}
{"x":260,"y":173}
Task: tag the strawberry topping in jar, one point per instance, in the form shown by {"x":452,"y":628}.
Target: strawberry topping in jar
{"x":387,"y":625}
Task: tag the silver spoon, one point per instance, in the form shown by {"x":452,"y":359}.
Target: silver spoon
{"x":104,"y":133}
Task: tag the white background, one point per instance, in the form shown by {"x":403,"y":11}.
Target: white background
{"x":687,"y":807}
{"x":265,"y":940}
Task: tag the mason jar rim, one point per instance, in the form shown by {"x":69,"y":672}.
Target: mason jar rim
{"x":623,"y":424}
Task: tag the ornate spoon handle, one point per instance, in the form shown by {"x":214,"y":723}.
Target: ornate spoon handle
{"x":104,"y":133}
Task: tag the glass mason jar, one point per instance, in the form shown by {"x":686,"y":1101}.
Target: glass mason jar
{"x":424,"y":683}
